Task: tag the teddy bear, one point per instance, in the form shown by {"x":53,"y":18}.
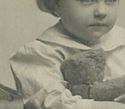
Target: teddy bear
{"x":84,"y":73}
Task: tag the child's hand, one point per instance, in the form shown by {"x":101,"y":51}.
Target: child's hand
{"x":36,"y":101}
{"x":32,"y":104}
{"x":120,"y":99}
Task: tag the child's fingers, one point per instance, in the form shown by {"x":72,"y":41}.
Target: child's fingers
{"x":36,"y":101}
{"x":31,"y":105}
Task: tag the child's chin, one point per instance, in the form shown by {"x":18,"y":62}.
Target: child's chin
{"x":94,"y":39}
{"x":97,"y":35}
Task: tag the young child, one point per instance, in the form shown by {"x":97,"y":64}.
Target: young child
{"x":83,"y":25}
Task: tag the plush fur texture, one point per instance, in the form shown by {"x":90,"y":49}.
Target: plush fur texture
{"x":84,"y":68}
{"x":84,"y":73}
{"x":108,"y":90}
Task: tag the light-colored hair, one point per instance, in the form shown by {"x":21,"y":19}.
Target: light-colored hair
{"x":47,"y":5}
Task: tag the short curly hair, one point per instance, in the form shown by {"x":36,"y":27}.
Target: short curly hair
{"x":47,"y":5}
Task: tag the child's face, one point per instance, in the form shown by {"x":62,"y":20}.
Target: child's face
{"x":87,"y":20}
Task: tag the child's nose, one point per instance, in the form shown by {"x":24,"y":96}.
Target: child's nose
{"x":100,"y":11}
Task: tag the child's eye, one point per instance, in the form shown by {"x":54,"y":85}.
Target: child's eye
{"x":88,"y":2}
{"x":111,"y":1}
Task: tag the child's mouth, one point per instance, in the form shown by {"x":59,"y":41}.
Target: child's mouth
{"x":98,"y":26}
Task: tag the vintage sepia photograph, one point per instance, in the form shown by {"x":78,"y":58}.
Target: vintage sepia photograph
{"x":62,"y":54}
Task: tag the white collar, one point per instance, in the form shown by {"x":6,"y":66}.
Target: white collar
{"x":112,"y":40}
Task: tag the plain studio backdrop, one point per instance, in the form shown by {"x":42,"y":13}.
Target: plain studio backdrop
{"x":20,"y":22}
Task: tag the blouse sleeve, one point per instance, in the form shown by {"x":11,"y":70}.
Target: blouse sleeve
{"x":36,"y":66}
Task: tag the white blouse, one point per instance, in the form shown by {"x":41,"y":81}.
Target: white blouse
{"x":36,"y":66}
